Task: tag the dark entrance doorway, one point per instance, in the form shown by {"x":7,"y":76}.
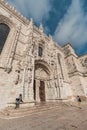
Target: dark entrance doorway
{"x":42,"y":91}
{"x":34,"y":89}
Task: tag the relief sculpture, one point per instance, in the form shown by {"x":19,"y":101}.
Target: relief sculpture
{"x":17,"y":71}
{"x":84,"y":62}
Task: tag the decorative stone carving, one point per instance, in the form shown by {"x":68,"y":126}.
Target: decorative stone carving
{"x":84,"y":62}
{"x":31,"y":49}
{"x":4,"y":19}
{"x":41,"y":28}
{"x":14,"y":11}
{"x":48,"y":84}
{"x":17,"y":71}
{"x":29,"y":76}
{"x":26,"y":37}
{"x":8,"y":68}
{"x":67,"y":51}
{"x":12,"y":50}
{"x":71,"y":67}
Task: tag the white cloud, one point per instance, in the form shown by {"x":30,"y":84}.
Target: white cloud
{"x":73,"y":27}
{"x":37,"y":9}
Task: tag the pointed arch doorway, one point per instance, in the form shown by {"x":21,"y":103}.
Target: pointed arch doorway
{"x":41,"y":91}
{"x":41,"y":75}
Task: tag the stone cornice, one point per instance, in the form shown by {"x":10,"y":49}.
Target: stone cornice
{"x":68,"y":44}
{"x":38,"y":31}
{"x":14,"y":11}
{"x":70,"y":55}
{"x":25,"y":21}
{"x":82,"y":56}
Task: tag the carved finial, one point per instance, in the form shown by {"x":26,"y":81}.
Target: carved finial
{"x":31,"y":20}
{"x":41,"y":28}
{"x":6,"y":3}
{"x":51,"y":40}
{"x":2,"y":0}
{"x":30,"y":25}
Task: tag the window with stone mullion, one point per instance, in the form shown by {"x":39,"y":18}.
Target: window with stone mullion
{"x":40,"y":51}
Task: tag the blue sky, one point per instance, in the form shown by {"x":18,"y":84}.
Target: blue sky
{"x":65,"y":20}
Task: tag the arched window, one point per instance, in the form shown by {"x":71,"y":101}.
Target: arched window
{"x":40,"y":51}
{"x":4,"y":31}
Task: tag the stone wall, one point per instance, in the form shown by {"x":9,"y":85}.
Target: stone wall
{"x":62,"y":71}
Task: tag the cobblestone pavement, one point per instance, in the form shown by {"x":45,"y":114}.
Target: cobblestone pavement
{"x":61,"y":118}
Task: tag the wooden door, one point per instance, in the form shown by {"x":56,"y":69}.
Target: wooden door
{"x":42,"y":91}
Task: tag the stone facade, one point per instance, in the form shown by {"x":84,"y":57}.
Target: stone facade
{"x":32,"y":64}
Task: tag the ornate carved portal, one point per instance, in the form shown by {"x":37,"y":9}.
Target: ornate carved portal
{"x":41,"y":91}
{"x":41,"y":76}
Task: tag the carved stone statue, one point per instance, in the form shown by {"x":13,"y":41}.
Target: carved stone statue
{"x":18,"y":67}
{"x":67,"y":51}
{"x":84,"y":62}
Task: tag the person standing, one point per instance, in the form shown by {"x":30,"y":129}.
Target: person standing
{"x":20,"y":97}
{"x":79,"y":101}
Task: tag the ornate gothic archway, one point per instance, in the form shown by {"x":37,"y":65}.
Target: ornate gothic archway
{"x":42,"y":73}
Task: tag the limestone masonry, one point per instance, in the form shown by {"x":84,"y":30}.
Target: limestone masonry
{"x":33,"y":65}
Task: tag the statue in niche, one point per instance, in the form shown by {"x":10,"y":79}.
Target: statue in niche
{"x":30,"y":65}
{"x":29,"y":75}
{"x":67,"y":51}
{"x":29,"y":70}
{"x":71,"y":66}
{"x":31,"y":50}
{"x":51,"y":83}
{"x":55,"y":84}
{"x":84,"y":62}
{"x":54,"y":71}
{"x":18,"y":67}
{"x":74,"y":66}
{"x":48,"y":84}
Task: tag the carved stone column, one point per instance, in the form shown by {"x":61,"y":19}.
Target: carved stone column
{"x":28,"y":79}
{"x":31,"y":80}
{"x":12,"y":49}
{"x":37,"y":90}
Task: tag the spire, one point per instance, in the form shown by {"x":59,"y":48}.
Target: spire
{"x":31,"y":21}
{"x":41,"y":28}
{"x":30,"y":26}
{"x":51,"y":40}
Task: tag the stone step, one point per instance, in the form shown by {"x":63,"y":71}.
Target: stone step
{"x":38,"y":106}
{"x":11,"y":112}
{"x":33,"y":110}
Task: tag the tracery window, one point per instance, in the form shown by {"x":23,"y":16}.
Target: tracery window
{"x":40,"y":51}
{"x":4,"y":31}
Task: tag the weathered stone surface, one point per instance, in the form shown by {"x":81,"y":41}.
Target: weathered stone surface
{"x":32,"y":64}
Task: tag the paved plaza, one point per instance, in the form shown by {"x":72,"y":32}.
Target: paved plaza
{"x":55,"y":117}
